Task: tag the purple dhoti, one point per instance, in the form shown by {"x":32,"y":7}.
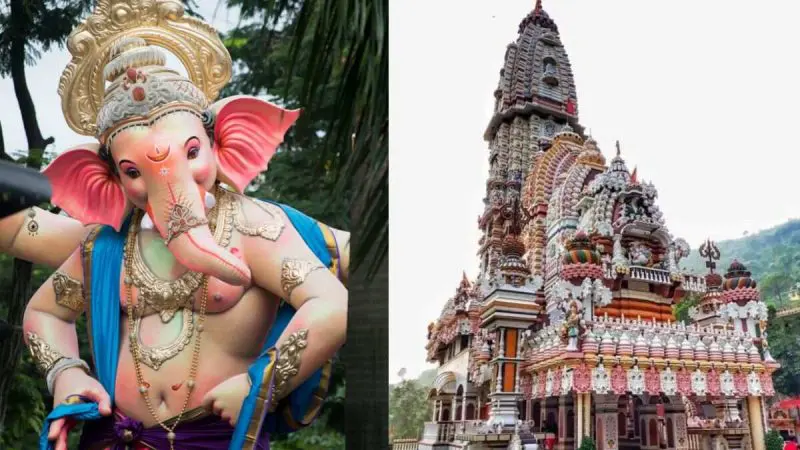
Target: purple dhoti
{"x":196,"y":431}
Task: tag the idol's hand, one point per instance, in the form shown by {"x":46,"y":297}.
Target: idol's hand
{"x":226,"y":399}
{"x":69,"y":384}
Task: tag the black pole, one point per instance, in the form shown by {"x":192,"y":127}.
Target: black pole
{"x":21,"y":188}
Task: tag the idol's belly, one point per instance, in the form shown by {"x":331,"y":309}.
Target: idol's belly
{"x":229,"y":342}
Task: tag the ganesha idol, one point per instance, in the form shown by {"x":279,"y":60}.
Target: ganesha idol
{"x":212,"y":317}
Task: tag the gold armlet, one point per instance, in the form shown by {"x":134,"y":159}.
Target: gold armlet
{"x":288,"y":364}
{"x":69,"y":292}
{"x":294,"y":273}
{"x":270,"y":229}
{"x":43,"y":355}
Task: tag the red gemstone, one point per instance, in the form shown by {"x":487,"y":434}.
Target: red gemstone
{"x":235,"y":251}
{"x":146,"y":384}
{"x":131,"y":73}
{"x":177,"y":386}
{"x":138,"y":93}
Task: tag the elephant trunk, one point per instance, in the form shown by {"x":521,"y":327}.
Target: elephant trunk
{"x":184,"y":227}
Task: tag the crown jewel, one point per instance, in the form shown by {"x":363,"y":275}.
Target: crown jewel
{"x":116,"y":44}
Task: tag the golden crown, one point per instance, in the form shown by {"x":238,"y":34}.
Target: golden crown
{"x":116,"y":44}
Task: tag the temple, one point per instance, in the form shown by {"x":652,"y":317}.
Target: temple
{"x":568,"y":331}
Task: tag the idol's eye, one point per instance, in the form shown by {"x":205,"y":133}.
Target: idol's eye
{"x":132,"y":173}
{"x":194,"y":152}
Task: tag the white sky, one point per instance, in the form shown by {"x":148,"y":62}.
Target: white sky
{"x":43,"y":82}
{"x":701,"y":95}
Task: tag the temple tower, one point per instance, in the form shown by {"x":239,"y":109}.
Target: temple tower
{"x":535,"y":97}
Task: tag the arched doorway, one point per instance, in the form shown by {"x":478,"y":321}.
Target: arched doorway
{"x":471,"y":411}
{"x":652,"y":432}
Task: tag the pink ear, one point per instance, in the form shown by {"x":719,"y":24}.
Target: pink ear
{"x":247,"y":133}
{"x":85,"y":188}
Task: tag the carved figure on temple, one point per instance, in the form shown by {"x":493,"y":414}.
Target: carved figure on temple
{"x":571,"y":327}
{"x":640,"y":254}
{"x":165,"y":255}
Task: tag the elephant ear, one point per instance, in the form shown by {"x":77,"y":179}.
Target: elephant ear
{"x":84,"y":187}
{"x":247,"y":133}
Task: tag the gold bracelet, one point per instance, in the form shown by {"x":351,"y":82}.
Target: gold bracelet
{"x":43,"y":355}
{"x":294,"y":273}
{"x":288,"y":364}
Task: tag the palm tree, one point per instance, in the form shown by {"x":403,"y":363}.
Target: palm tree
{"x":349,"y":39}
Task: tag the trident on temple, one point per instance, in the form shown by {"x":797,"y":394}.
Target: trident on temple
{"x":710,"y":251}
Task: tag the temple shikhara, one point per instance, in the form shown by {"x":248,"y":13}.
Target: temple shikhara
{"x":568,"y":331}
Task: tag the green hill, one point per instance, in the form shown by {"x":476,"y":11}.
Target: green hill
{"x":773,"y":256}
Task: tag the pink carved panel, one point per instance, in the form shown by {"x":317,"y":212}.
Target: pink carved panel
{"x":619,"y":380}
{"x":684,"y":379}
{"x":652,"y":381}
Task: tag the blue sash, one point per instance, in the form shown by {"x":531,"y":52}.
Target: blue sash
{"x":103,"y":321}
{"x":301,"y":398}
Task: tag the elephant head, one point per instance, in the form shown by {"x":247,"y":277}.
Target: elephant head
{"x":164,"y":149}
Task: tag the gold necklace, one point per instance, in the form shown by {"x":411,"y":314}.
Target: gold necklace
{"x":144,"y":385}
{"x":134,"y":339}
{"x":167,"y":297}
{"x":154,"y":357}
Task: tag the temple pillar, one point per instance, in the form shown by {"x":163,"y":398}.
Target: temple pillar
{"x":756,"y":422}
{"x":435,"y":407}
{"x":453,"y":405}
{"x":441,"y":407}
{"x":606,"y":422}
{"x":587,"y":414}
{"x":464,"y":406}
{"x":579,"y":417}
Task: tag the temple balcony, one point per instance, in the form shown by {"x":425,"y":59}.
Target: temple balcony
{"x":649,"y":275}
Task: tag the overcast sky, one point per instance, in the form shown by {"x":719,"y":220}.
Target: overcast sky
{"x":43,"y":83}
{"x":702,"y":96}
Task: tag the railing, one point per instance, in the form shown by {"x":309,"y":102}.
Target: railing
{"x":430,"y":432}
{"x":649,"y":275}
{"x":447,"y":432}
{"x":405,"y":444}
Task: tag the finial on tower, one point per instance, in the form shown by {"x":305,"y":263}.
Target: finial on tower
{"x":538,"y":8}
{"x":635,"y":176}
{"x":618,"y":147}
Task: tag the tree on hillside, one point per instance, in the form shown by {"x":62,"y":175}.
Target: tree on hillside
{"x":784,"y":345}
{"x":775,"y":286}
{"x":409,"y":408}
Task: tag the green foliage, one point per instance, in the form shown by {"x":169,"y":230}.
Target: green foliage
{"x":587,"y":444}
{"x":773,"y":440}
{"x":409,"y":408}
{"x":336,"y":54}
{"x":681,"y":310}
{"x":773,"y":257}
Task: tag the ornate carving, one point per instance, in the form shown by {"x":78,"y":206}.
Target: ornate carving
{"x":699,"y":382}
{"x":636,"y":382}
{"x":669,"y":382}
{"x":181,"y":220}
{"x":619,"y":380}
{"x":652,"y":381}
{"x":727,"y":386}
{"x":160,"y":23}
{"x":288,"y":363}
{"x":69,"y":292}
{"x":713,"y":382}
{"x":582,"y":379}
{"x":155,"y":357}
{"x":601,"y":383}
{"x":270,"y":229}
{"x":43,"y":355}
{"x":294,"y":273}
{"x":684,"y":382}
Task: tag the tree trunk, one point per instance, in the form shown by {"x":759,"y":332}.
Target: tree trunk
{"x":10,"y":349}
{"x":365,"y":354}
